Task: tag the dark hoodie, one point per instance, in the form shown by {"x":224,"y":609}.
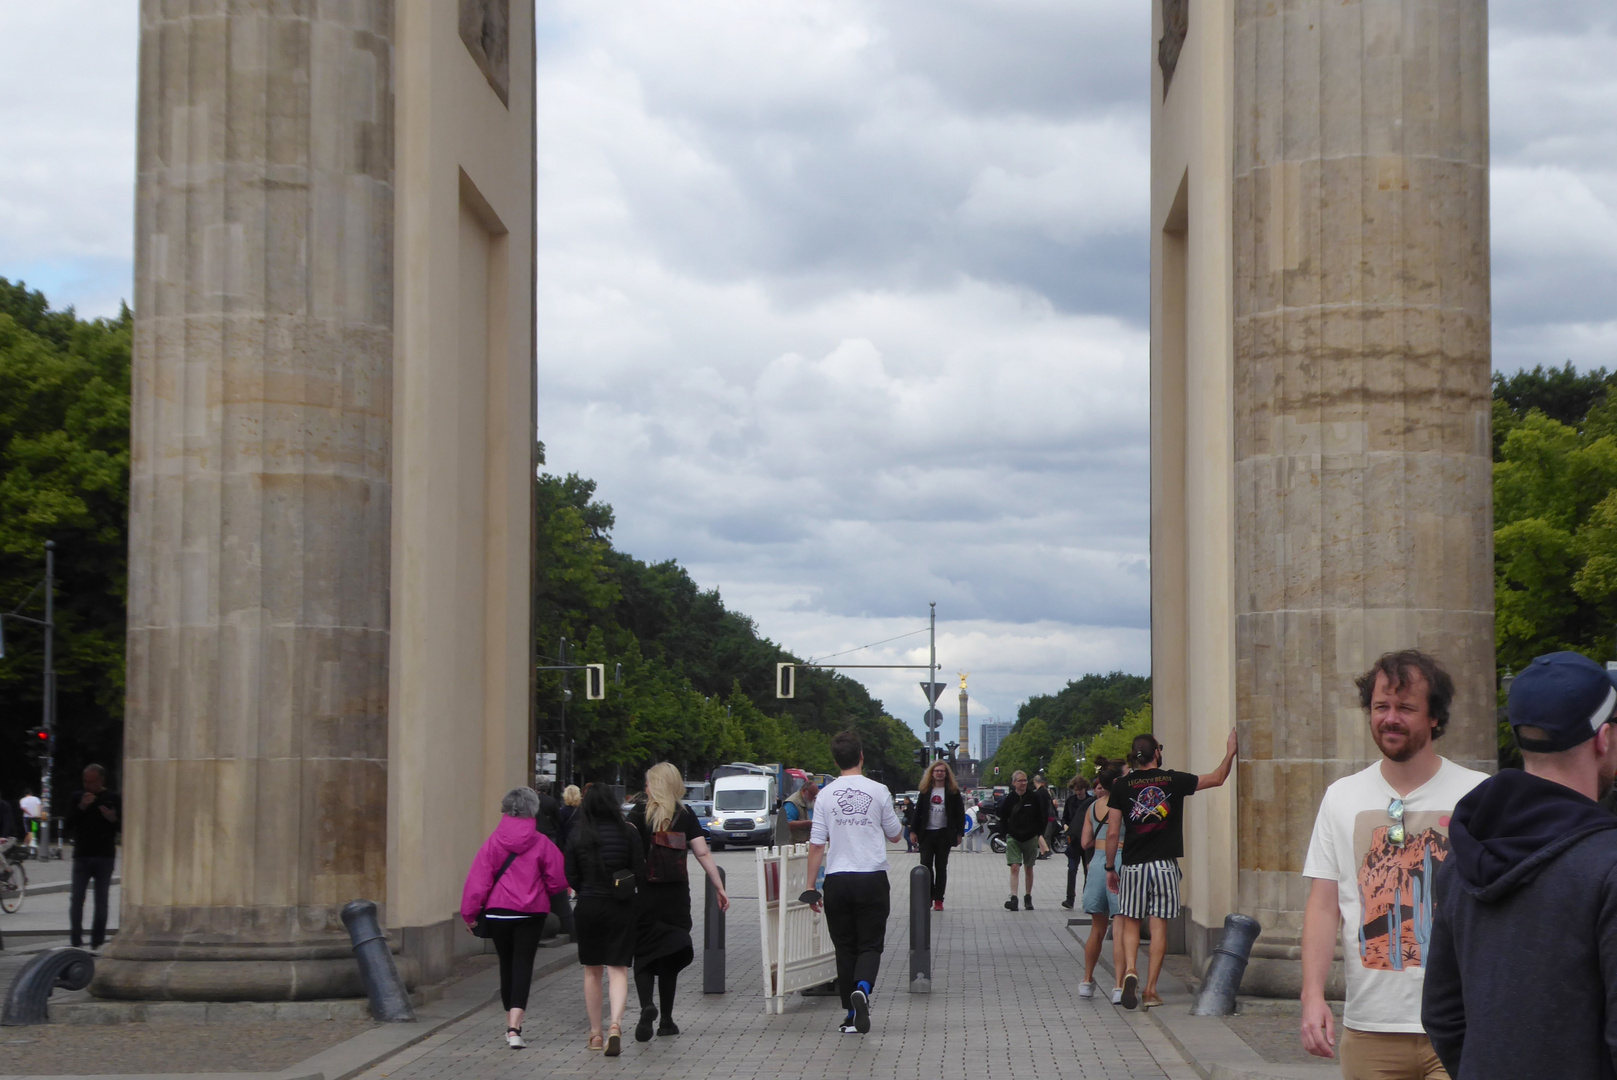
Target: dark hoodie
{"x":1521,"y":976}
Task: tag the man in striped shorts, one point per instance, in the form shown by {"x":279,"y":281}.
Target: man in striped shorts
{"x":1147,"y":814}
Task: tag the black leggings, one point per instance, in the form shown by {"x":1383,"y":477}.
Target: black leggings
{"x":516,"y":940}
{"x":935,"y":847}
{"x":666,"y":983}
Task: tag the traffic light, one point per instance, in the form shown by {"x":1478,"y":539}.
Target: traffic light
{"x":920,"y":756}
{"x":38,"y":737}
{"x":594,"y":682}
{"x":785,"y":680}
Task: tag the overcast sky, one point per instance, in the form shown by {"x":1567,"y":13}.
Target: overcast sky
{"x":844,"y":302}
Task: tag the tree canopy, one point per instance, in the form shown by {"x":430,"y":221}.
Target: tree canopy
{"x":1051,"y":728}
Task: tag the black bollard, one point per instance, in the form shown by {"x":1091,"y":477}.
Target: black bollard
{"x":713,"y":940}
{"x":920,"y":930}
{"x":1223,"y":979}
{"x":70,"y":969}
{"x":390,"y":1001}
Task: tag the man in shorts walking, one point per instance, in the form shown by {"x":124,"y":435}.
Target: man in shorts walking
{"x":1023,"y":814}
{"x":1146,"y":812}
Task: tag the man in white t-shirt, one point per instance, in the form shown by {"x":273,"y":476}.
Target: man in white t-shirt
{"x":854,"y":817}
{"x":1379,"y":837}
{"x":33,"y":811}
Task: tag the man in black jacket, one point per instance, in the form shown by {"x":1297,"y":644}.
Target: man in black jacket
{"x":1022,"y":814}
{"x":94,"y":816}
{"x":1521,"y":979}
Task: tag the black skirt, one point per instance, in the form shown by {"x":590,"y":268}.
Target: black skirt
{"x":605,"y":931}
{"x":663,"y":928}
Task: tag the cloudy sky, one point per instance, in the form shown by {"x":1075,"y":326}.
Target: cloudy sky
{"x":844,"y":302}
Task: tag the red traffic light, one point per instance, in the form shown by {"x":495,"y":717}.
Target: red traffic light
{"x":39,"y":734}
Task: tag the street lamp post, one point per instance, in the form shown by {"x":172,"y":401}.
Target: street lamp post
{"x":48,"y":691}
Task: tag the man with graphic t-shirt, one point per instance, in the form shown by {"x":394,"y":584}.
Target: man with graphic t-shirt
{"x":1146,"y":812}
{"x":854,"y":817}
{"x":1378,"y":840}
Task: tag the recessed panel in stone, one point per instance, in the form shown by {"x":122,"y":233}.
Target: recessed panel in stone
{"x":1175,"y":25}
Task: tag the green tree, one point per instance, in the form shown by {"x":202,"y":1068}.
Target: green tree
{"x":1113,"y":742}
{"x":64,"y":476}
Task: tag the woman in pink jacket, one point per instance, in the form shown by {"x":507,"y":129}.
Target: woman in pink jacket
{"x":510,"y":885}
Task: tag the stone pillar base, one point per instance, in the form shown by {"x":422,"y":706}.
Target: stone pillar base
{"x":234,"y":973}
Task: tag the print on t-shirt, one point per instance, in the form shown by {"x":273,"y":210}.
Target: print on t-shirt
{"x":850,"y":800}
{"x":1150,"y":810}
{"x":1395,"y":886}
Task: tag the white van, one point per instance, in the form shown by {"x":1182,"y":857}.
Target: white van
{"x":744,"y":806}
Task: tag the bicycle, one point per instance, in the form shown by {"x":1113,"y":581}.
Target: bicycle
{"x":14,"y":878}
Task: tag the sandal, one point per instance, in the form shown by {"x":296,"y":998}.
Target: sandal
{"x":596,"y":1042}
{"x":614,"y":1041}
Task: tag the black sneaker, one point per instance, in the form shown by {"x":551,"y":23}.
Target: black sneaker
{"x":642,"y":1030}
{"x":1027,"y":902}
{"x":1067,"y":904}
{"x":861,"y":1011}
{"x":1010,"y":905}
{"x":667,"y":1028}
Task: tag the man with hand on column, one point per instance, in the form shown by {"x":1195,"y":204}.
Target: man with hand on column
{"x":1521,"y":977}
{"x":1379,"y":838}
{"x":854,"y":817}
{"x":1146,"y":813}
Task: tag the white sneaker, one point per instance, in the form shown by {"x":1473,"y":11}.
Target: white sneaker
{"x":1117,"y":995}
{"x":513,"y":1039}
{"x":1086,"y":989}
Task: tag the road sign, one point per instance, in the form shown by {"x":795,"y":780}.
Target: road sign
{"x":933,"y":691}
{"x":933,"y":718}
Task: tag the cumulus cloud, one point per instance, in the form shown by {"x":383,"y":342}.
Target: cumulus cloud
{"x":844,"y":302}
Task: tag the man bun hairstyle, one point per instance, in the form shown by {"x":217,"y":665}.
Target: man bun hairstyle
{"x":1143,"y":751}
{"x":1400,"y":668}
{"x":1109,"y":773}
{"x":846,"y":749}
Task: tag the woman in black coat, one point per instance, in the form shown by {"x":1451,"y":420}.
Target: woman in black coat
{"x":937,"y":823}
{"x":604,"y":860}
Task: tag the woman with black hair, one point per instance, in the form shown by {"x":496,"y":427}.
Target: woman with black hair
{"x":604,"y":860}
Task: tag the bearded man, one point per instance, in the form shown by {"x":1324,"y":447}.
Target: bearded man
{"x":1379,"y":838}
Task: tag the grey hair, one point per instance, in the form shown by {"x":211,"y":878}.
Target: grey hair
{"x":520,"y":802}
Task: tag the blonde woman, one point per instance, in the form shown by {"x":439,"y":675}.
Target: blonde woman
{"x":669,"y":832}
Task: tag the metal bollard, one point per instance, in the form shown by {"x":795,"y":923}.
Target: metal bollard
{"x":1224,"y":970}
{"x":713,"y":940}
{"x":920,"y":930}
{"x":390,"y":1001}
{"x":71,"y":969}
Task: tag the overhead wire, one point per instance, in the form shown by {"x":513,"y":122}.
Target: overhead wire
{"x":872,"y":645}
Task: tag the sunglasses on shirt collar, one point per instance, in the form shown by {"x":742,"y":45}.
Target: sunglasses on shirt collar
{"x":1395,"y":831}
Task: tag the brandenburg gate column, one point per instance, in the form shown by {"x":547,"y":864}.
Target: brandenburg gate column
{"x":256,"y":728}
{"x":1344,"y":162}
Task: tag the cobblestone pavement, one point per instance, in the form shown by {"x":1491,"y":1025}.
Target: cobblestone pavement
{"x":70,"y":1049}
{"x":1003,"y":1002}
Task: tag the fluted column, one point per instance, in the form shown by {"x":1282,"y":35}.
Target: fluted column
{"x":256,"y":727}
{"x":1361,"y":386}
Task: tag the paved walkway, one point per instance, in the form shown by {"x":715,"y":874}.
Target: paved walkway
{"x":1003,"y":1002}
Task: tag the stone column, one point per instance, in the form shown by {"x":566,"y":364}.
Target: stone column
{"x":256,"y":728}
{"x":1363,"y":504}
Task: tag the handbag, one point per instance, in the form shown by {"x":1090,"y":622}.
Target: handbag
{"x":481,"y":928}
{"x":665,"y":862}
{"x":623,"y":885}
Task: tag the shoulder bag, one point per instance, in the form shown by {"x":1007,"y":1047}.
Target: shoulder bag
{"x":481,"y":928}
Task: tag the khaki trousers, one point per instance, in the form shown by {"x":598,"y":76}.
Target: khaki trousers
{"x":1388,"y":1055}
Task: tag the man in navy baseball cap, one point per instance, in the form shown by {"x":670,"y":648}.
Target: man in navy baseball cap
{"x":1526,"y":895}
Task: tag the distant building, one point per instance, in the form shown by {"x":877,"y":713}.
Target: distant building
{"x":990,"y":736}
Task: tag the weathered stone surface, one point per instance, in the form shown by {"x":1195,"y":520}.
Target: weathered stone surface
{"x":256,"y":771}
{"x":1362,"y":465}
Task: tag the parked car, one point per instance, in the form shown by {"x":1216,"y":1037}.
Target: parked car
{"x":703,"y":809}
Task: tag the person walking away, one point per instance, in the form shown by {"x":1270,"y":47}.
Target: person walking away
{"x":854,"y":820}
{"x":799,"y":810}
{"x":937,"y":824}
{"x":1145,"y":815}
{"x":604,"y":860}
{"x":1100,"y":902}
{"x":1021,"y":816}
{"x":33,"y":812}
{"x":1521,"y":976}
{"x":1047,"y":838}
{"x":571,"y":798}
{"x":904,"y":809}
{"x":94,"y":817}
{"x":548,"y":821}
{"x":509,"y":886}
{"x":1072,"y":824}
{"x":1378,"y":839}
{"x":669,"y":832}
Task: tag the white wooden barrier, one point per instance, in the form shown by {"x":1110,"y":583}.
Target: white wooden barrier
{"x":796,"y":946}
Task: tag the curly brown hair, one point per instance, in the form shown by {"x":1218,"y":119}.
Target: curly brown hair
{"x":1400,"y":668}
